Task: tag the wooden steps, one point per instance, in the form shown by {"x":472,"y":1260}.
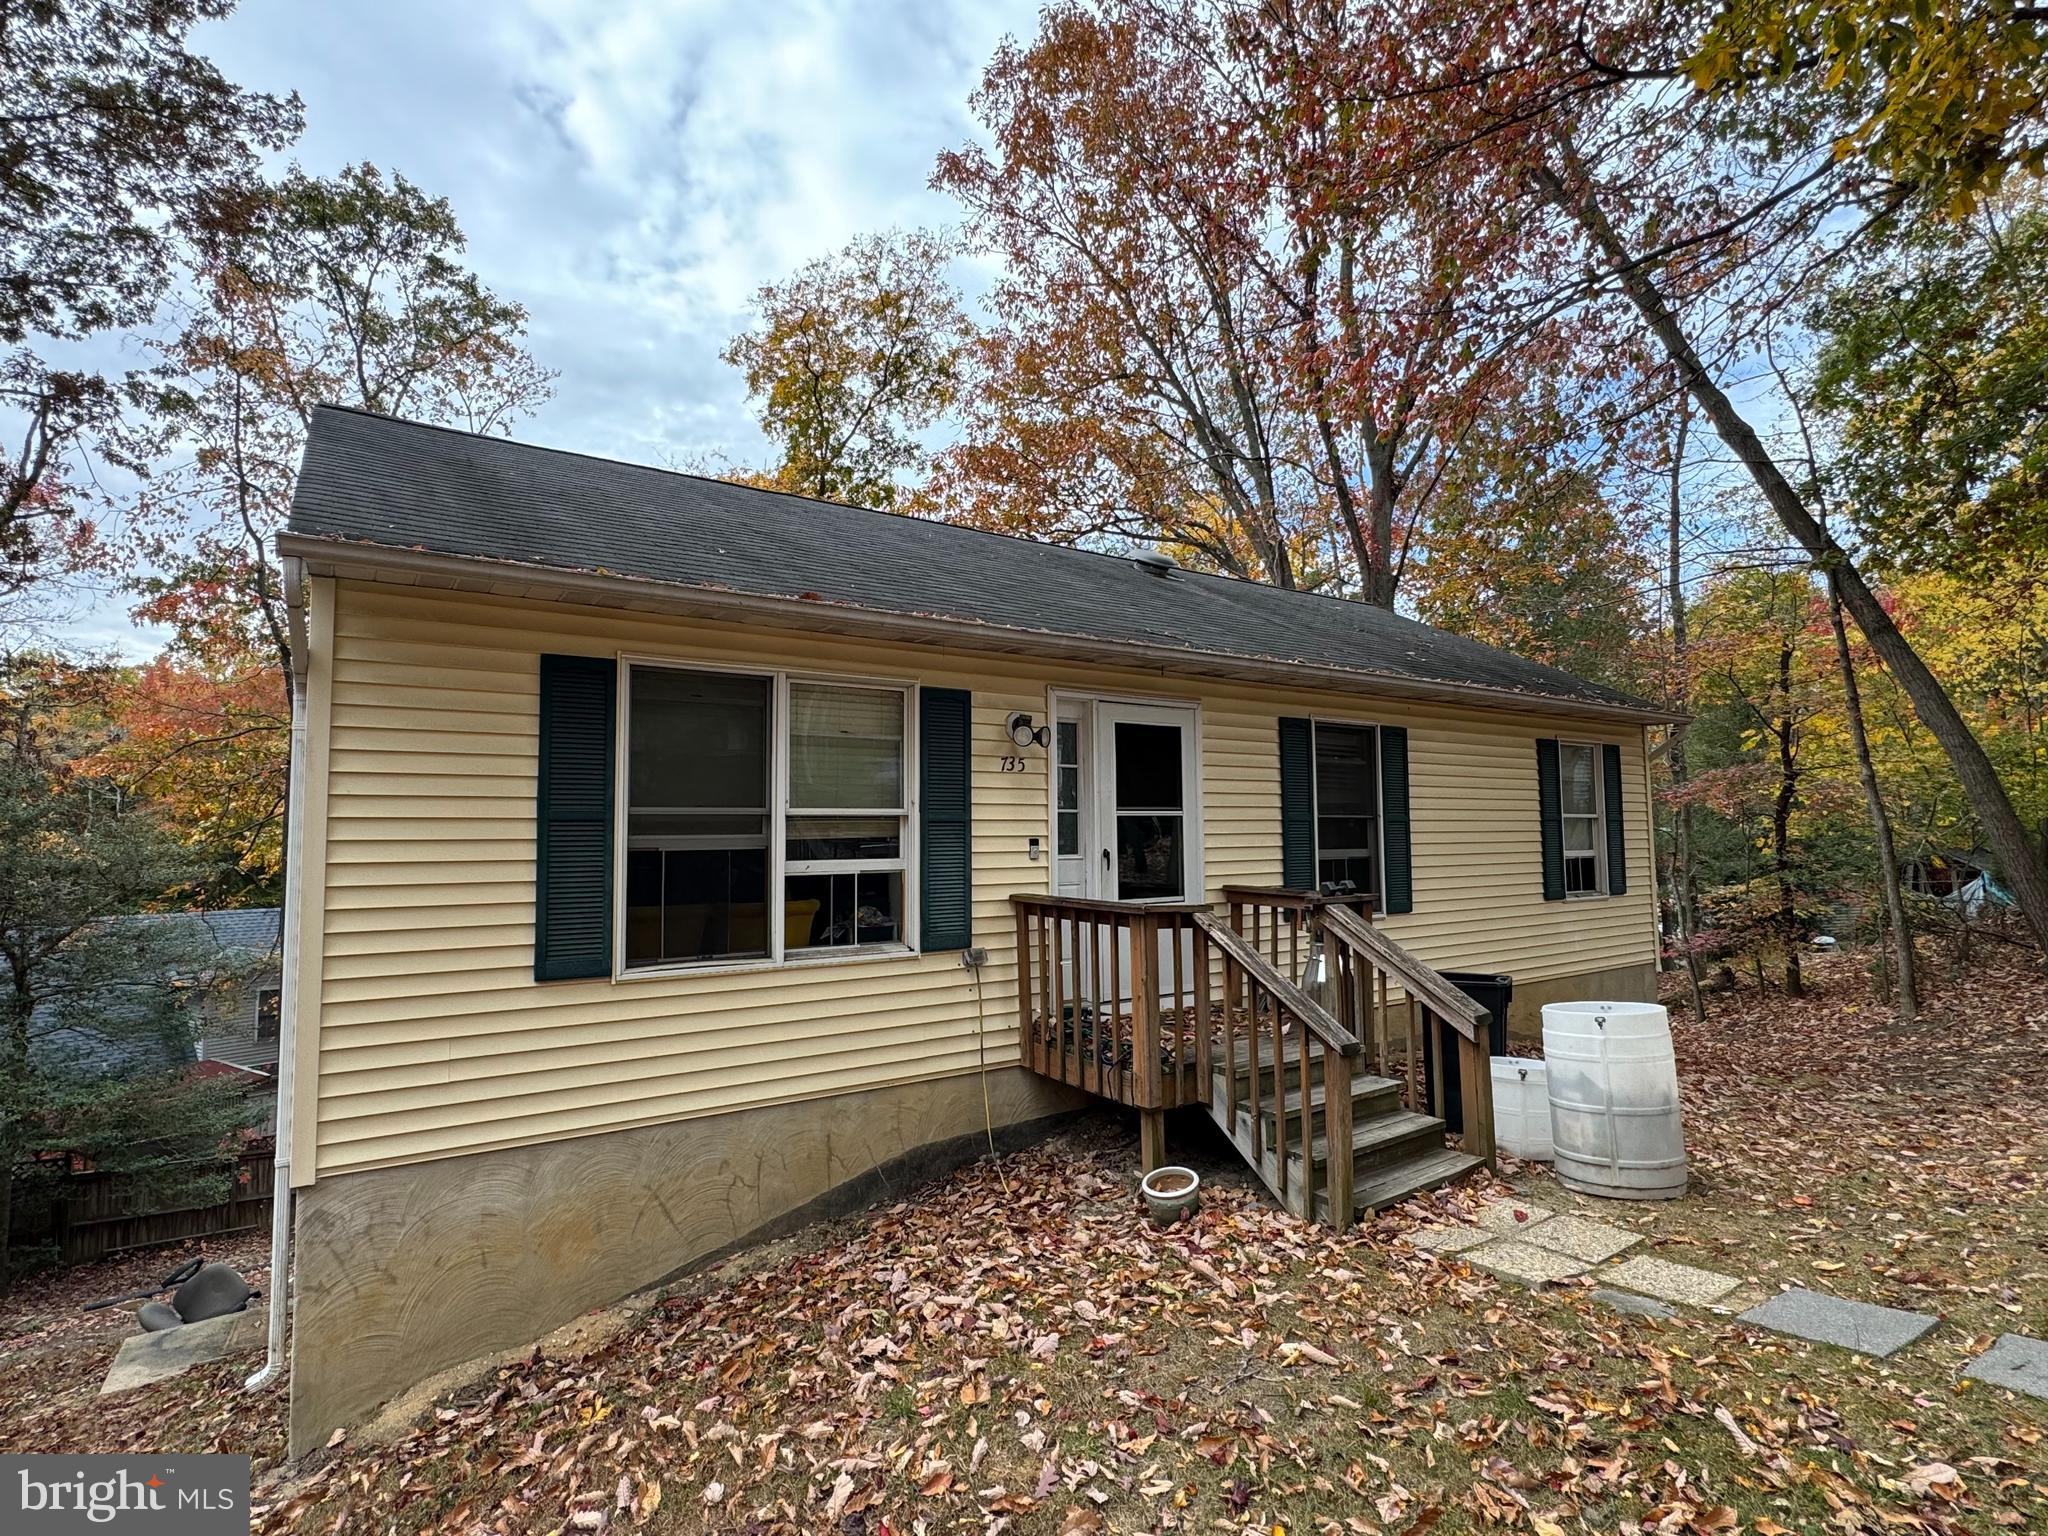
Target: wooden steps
{"x":1395,"y":1152}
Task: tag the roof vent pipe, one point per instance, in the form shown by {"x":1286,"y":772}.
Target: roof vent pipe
{"x":1156,"y":561}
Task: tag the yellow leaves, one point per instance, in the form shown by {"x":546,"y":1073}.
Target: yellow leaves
{"x":648,"y":1501}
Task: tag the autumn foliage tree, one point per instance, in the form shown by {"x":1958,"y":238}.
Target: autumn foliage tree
{"x":1202,"y":337}
{"x":853,"y":357}
{"x":116,"y":141}
{"x":1693,"y":218}
{"x":344,"y":290}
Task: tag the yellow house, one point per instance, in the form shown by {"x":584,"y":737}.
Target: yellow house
{"x":673,"y":860}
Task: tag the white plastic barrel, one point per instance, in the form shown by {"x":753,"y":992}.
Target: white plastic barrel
{"x":1521,"y":1107}
{"x":1614,"y":1126}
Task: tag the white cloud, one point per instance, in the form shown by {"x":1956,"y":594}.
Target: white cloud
{"x":633,"y":171}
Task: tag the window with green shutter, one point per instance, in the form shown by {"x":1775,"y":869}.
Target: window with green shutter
{"x":1578,"y":796}
{"x":945,"y":827}
{"x":1617,"y":842}
{"x":573,"y":832}
{"x":1344,"y":810}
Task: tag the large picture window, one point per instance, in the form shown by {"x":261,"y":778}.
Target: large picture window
{"x":738,"y":786}
{"x":1347,"y":807}
{"x":1579,"y":790}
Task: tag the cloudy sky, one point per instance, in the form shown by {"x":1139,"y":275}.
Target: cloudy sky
{"x":631,"y":170}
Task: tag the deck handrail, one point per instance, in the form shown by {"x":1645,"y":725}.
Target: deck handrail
{"x":1107,"y":908}
{"x":1313,"y":1015}
{"x":1462,"y":1013}
{"x":1440,"y":999}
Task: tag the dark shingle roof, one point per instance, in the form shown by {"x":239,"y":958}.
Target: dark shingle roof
{"x":121,"y":1029}
{"x":375,"y":480}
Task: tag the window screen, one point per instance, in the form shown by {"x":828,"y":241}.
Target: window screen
{"x":697,"y":773}
{"x":1347,"y":806}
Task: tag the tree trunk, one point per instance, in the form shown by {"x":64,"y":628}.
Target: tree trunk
{"x":1684,"y":897}
{"x":1880,"y":820}
{"x":1781,"y":825}
{"x":1981,"y":787}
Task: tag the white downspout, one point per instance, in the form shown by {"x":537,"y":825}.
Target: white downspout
{"x":288,"y":1042}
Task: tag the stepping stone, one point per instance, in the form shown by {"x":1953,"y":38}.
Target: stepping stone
{"x":1636,"y":1306}
{"x":147,"y":1357}
{"x":1510,"y":1215}
{"x":1449,"y":1239}
{"x":1524,"y":1262}
{"x":1825,"y":1319}
{"x":2015,"y":1361}
{"x":1581,"y":1238}
{"x":1669,"y":1282}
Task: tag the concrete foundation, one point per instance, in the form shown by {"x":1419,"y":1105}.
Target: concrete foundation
{"x":1624,"y":983}
{"x":402,"y":1272}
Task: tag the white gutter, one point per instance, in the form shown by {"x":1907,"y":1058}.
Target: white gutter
{"x":288,"y":1036}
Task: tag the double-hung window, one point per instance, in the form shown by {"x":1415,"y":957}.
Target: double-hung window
{"x":1347,"y":807}
{"x":845,"y":833}
{"x":1583,"y":817}
{"x":746,"y":789}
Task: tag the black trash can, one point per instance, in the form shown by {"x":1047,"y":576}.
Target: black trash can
{"x":1493,"y":993}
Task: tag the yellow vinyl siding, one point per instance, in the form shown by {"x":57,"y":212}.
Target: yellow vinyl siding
{"x":430,"y":1037}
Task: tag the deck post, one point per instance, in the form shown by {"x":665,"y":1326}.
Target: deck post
{"x":1475,"y":1073}
{"x":1151,"y":1140}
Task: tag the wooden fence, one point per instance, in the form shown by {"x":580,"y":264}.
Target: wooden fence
{"x":95,"y":1214}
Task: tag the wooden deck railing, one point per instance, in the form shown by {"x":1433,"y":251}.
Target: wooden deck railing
{"x":1269,"y":1025}
{"x":1362,"y":969}
{"x":1112,"y":998}
{"x":1364,"y":962}
{"x":1149,"y":1005}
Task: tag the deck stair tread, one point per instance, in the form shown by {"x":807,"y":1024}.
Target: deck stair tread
{"x":1395,"y":1183}
{"x":1371,"y":1137}
{"x":1361,"y":1088}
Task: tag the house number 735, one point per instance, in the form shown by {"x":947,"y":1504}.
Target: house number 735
{"x":1013,"y":765}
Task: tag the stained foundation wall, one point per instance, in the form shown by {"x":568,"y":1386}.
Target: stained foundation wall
{"x":403,"y":1272}
{"x":1623,"y":983}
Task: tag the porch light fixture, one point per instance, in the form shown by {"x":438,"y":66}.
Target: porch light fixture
{"x":1022,"y":733}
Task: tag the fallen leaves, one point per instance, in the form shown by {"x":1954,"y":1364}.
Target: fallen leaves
{"x":1005,"y":1360}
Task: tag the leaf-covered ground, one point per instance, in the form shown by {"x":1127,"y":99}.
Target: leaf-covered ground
{"x":1014,"y":1350}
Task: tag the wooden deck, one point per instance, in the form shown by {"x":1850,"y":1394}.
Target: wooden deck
{"x":1158,"y":1007}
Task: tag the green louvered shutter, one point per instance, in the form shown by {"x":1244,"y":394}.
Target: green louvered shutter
{"x":572,"y":929}
{"x":1617,"y":845}
{"x":1550,"y":815}
{"x":1397,"y":863}
{"x":1297,"y":805}
{"x":945,"y":841}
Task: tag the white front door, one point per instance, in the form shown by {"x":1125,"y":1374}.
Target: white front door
{"x":1147,"y":832}
{"x":1126,"y":821}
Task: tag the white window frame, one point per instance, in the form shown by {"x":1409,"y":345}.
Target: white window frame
{"x":780,"y":866}
{"x":1598,"y":817}
{"x":1379,"y":803}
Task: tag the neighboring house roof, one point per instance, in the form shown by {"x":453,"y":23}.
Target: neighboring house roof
{"x":419,"y":491}
{"x":238,"y":938}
